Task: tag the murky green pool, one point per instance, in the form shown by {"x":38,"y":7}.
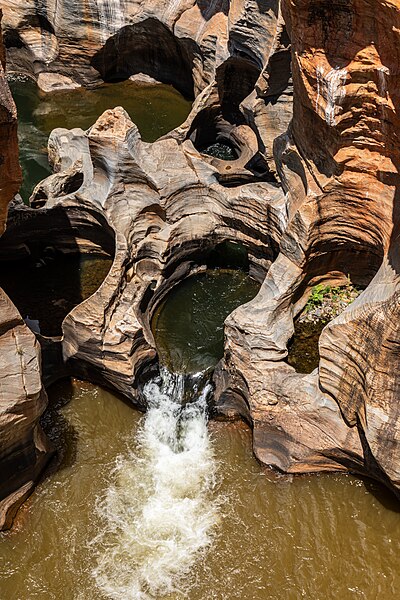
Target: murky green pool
{"x":155,"y":109}
{"x":189,"y":325}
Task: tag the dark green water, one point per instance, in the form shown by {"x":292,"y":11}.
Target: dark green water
{"x":303,"y":349}
{"x":48,"y":288}
{"x":189,"y":325}
{"x":155,"y":109}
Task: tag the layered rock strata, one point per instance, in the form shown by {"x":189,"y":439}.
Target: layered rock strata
{"x":338,"y":165}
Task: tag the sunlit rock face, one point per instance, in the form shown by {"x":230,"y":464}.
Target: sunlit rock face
{"x":346,"y":59}
{"x":338,"y":164}
{"x":178,"y":41}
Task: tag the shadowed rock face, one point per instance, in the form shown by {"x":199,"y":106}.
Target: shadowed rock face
{"x":312,"y":201}
{"x":23,"y":449}
{"x":10,"y":172}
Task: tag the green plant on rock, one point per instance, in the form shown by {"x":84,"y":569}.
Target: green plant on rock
{"x":317,"y":296}
{"x":332,"y":299}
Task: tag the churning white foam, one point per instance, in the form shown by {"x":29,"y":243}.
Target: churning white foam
{"x":159,"y":512}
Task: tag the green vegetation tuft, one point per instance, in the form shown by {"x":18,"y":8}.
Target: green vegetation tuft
{"x":332,"y":299}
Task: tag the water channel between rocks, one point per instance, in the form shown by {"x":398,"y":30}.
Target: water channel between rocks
{"x":171,"y":506}
{"x":314,"y":537}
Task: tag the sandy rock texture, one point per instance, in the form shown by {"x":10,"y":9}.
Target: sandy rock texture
{"x":312,"y":196}
{"x":338,"y":164}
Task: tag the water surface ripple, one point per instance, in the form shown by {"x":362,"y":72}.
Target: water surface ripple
{"x":326,"y":537}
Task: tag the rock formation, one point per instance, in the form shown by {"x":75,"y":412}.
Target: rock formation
{"x":23,"y":449}
{"x":337,"y":164}
{"x":312,"y":196}
{"x":10,"y":172}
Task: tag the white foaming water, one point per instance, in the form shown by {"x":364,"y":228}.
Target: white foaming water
{"x":335,"y":91}
{"x":111,"y":17}
{"x":159,"y":512}
{"x":383,"y":73}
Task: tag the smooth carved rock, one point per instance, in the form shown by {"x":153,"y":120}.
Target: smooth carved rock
{"x":338,"y":165}
{"x":168,"y":210}
{"x":52,"y":82}
{"x":23,"y":448}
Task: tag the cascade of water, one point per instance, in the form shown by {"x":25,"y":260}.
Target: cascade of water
{"x":110,"y":17}
{"x":335,"y":81}
{"x":159,"y":513}
{"x":383,"y":72}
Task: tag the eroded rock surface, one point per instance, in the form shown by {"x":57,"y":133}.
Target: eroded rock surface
{"x":23,"y":449}
{"x":338,"y":165}
{"x":10,"y":171}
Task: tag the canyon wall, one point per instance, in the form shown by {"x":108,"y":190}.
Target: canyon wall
{"x":10,"y":172}
{"x":312,"y":196}
{"x":23,"y":449}
{"x":338,"y":165}
{"x":346,"y":68}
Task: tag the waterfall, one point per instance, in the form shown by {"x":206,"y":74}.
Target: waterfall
{"x":383,"y":73}
{"x":335,"y":80}
{"x":331,"y":87}
{"x":111,"y":17}
{"x":158,"y":514}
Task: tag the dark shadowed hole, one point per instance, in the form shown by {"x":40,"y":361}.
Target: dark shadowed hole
{"x":303,"y":347}
{"x":47,"y":286}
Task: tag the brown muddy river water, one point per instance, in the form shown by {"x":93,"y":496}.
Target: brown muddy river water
{"x":267,"y":536}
